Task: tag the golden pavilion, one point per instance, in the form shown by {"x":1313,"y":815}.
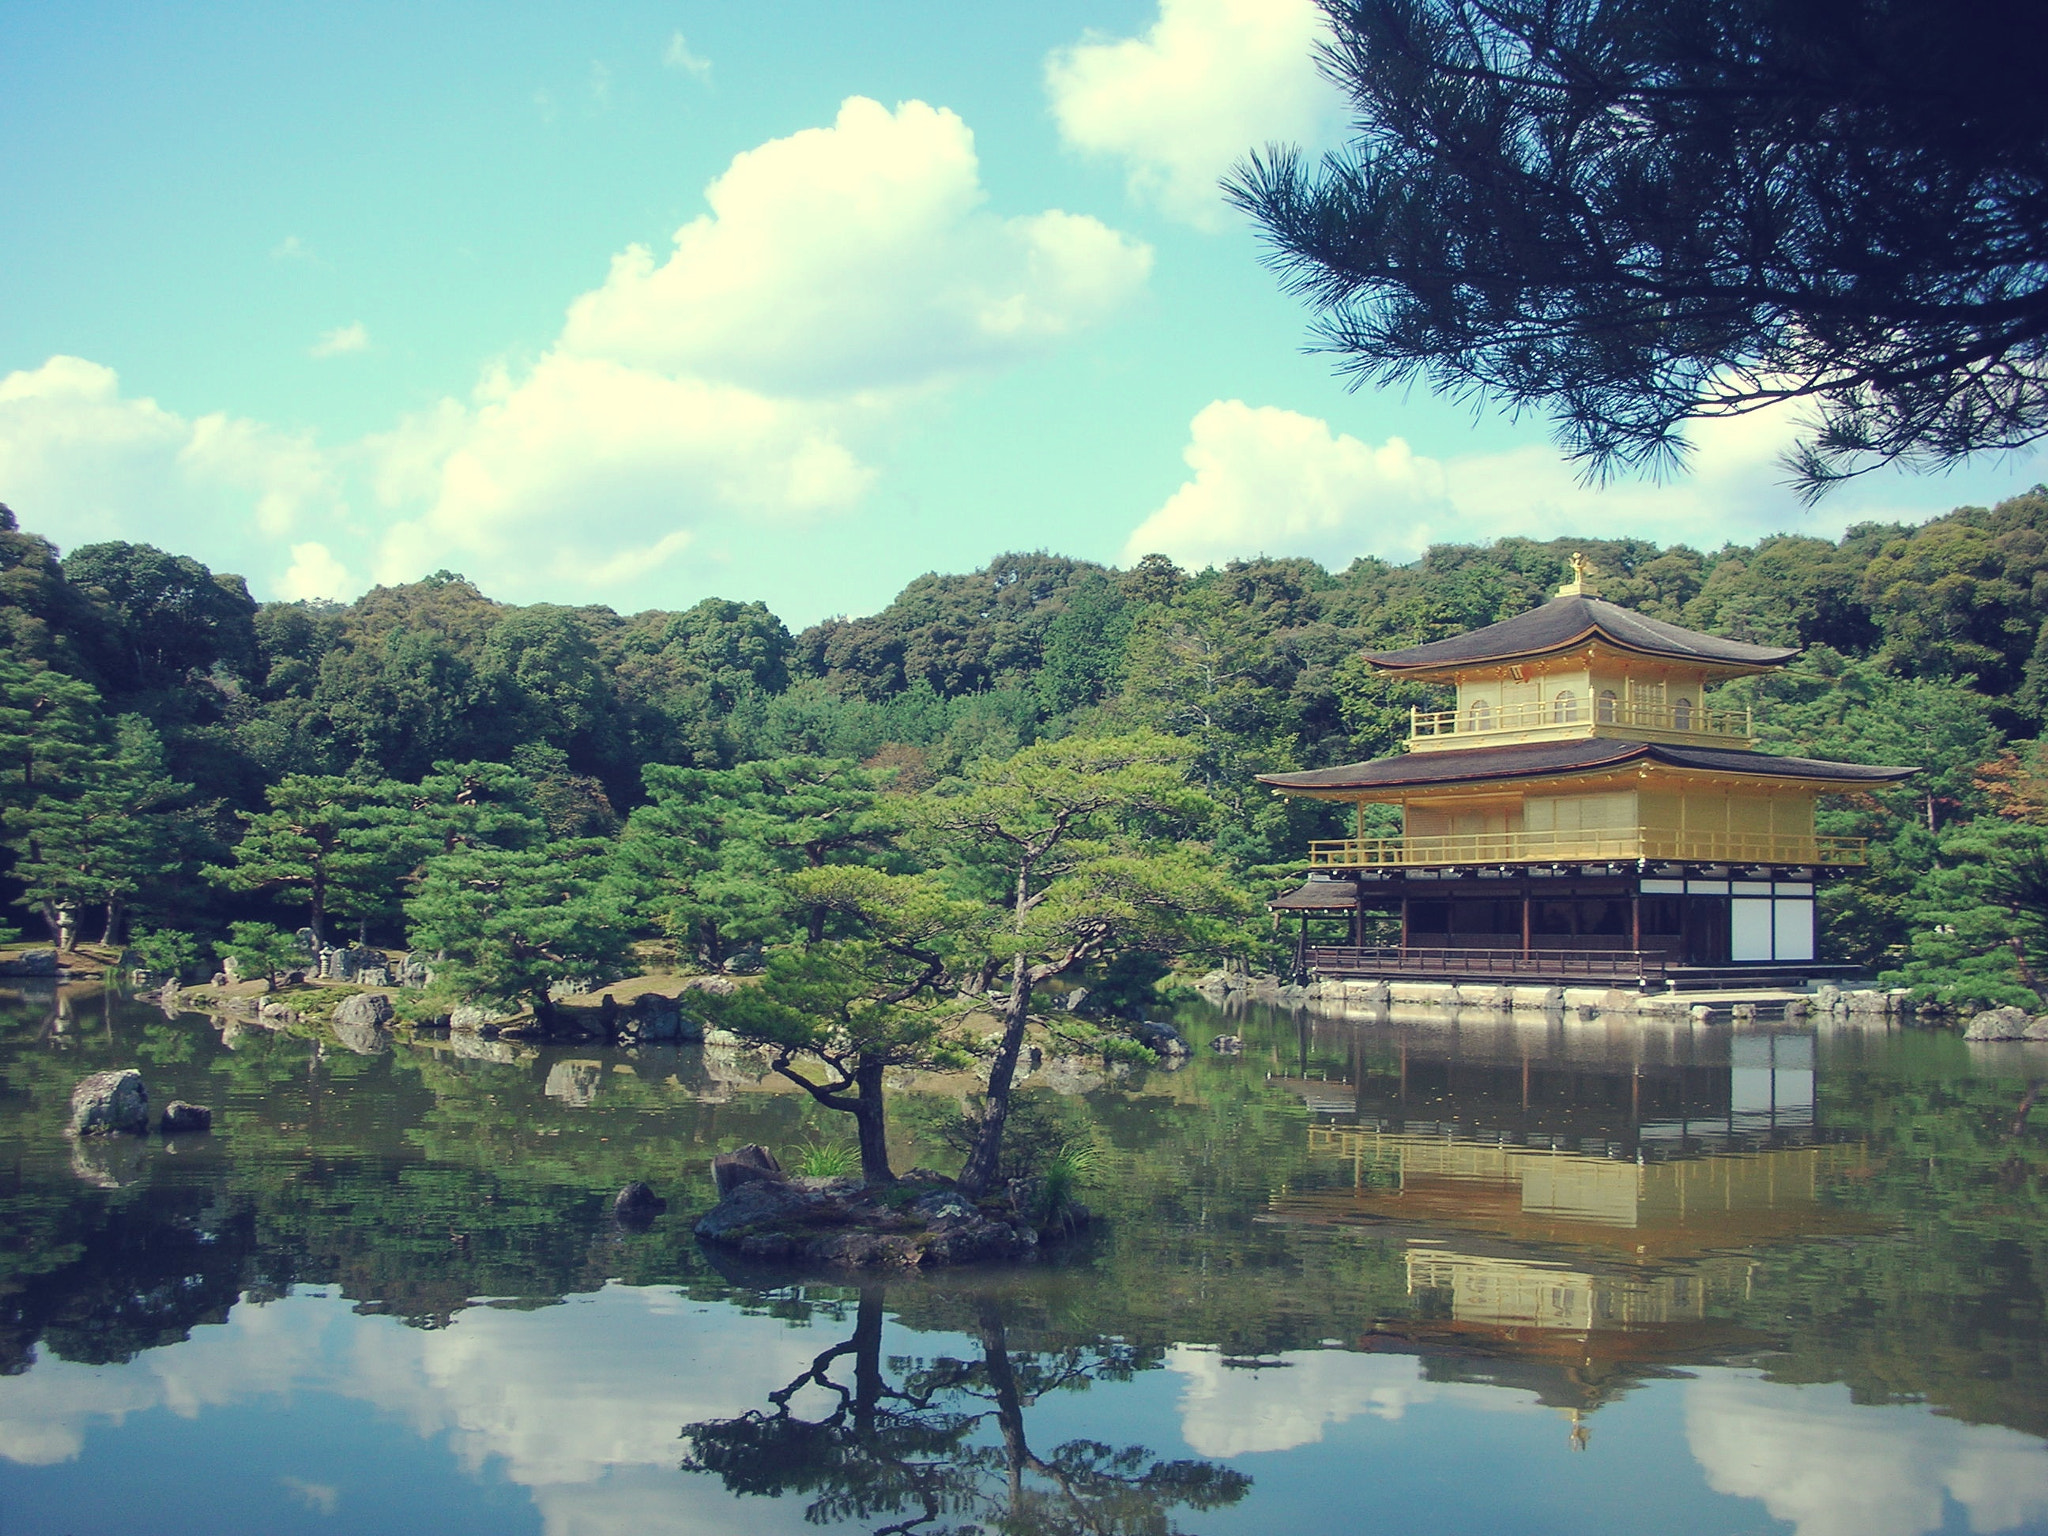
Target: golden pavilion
{"x":1584,"y":812}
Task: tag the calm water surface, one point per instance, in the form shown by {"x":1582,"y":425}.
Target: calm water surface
{"x":1434,"y":1275}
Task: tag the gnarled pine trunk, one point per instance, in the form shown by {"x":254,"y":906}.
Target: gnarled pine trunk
{"x":871,"y":1122}
{"x":985,"y":1158}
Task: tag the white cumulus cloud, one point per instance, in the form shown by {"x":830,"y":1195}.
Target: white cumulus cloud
{"x":1208,"y":82}
{"x":856,"y":257}
{"x":720,"y":393}
{"x":353,"y":337}
{"x":1831,"y":1468}
{"x":1275,"y":482}
{"x":1229,"y":1410}
{"x":315,"y":573}
{"x":592,"y":471}
{"x":739,"y":382}
{"x":1268,"y":481}
{"x":83,"y":462}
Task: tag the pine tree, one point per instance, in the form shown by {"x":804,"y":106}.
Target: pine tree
{"x":102,"y":839}
{"x":859,"y":1006}
{"x":1084,"y":849}
{"x":339,"y":844}
{"x":513,"y":921}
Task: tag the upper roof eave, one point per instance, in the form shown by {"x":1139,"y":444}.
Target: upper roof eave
{"x":1571,"y":620}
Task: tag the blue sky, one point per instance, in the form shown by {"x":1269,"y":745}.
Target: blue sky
{"x":642,"y":303}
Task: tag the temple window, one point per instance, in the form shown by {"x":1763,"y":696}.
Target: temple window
{"x":1681,"y":714}
{"x":1478,"y":717}
{"x":1564,"y":707}
{"x":1607,"y":706}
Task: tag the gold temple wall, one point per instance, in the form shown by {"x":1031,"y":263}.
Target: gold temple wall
{"x":1710,"y":808}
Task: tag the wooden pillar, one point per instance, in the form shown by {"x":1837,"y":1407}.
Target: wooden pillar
{"x":1525,"y":922}
{"x":1404,"y":922}
{"x":1358,"y":921}
{"x":1635,"y":918}
{"x":1301,"y":947}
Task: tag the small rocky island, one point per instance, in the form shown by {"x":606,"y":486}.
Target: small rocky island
{"x":920,"y":1220}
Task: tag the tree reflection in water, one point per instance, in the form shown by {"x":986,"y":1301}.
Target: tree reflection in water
{"x":947,"y":1447}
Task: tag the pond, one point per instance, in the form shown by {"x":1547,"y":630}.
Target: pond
{"x":1436,"y":1275}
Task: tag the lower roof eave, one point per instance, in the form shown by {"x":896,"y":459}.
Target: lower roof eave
{"x":1536,"y":762}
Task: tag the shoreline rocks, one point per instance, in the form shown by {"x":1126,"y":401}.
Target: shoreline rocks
{"x":1828,"y":1002}
{"x":2005,"y":1024}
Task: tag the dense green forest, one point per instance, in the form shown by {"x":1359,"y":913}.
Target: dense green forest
{"x":182,"y":759}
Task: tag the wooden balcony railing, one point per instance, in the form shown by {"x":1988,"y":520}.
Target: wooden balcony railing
{"x":1695,"y":722}
{"x":1583,"y":847}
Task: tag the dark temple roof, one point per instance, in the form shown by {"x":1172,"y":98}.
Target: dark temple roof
{"x":1547,"y":759}
{"x":1318,"y":896}
{"x":1564,"y":622}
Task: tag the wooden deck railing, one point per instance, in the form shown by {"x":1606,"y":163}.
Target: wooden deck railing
{"x":1582,"y":847}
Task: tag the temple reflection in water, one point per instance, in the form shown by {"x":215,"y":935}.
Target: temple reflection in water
{"x":1578,"y":1207}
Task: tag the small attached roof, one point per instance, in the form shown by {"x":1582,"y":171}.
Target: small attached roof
{"x":1318,"y":896}
{"x":1568,"y":620}
{"x":1552,"y":759}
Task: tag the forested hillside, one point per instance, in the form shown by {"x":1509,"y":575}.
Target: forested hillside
{"x":155,"y":716}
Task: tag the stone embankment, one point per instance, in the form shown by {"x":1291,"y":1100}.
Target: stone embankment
{"x":1855,"y":1005}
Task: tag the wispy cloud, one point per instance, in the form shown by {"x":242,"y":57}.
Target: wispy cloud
{"x":352,"y":337}
{"x":678,"y":56}
{"x":291,"y":248}
{"x":600,"y":84}
{"x":323,"y":1498}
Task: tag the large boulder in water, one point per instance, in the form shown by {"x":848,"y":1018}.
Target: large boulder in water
{"x":636,"y":1206}
{"x":110,"y":1103}
{"x":181,"y":1119}
{"x":358,"y":1023}
{"x":1159,"y":1037}
{"x":745,"y":1165}
{"x":372,"y":1008}
{"x":1998,"y":1024}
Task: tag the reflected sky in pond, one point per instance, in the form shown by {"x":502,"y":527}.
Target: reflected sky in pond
{"x":1444,"y":1275}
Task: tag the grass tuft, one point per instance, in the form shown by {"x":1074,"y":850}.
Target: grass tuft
{"x":825,"y":1160}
